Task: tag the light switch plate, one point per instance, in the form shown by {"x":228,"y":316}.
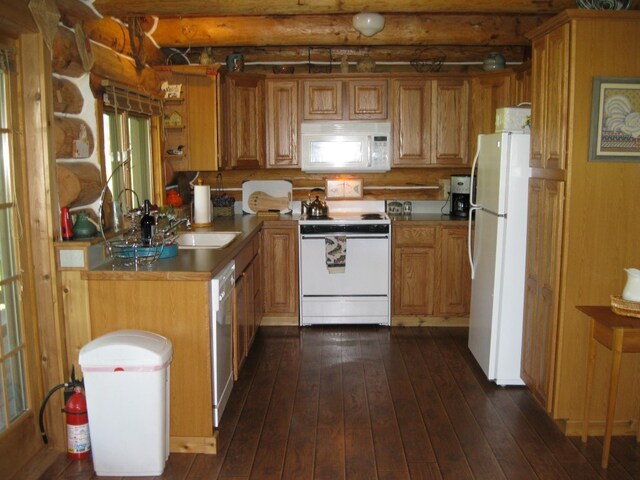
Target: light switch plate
{"x":344,"y":188}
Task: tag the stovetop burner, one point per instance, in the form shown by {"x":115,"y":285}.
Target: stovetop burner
{"x":371,"y":216}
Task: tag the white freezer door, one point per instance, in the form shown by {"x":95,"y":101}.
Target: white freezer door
{"x":502,"y":157}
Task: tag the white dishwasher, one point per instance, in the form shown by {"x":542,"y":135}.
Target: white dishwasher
{"x":221,"y":352}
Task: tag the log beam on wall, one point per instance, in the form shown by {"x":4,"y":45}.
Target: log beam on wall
{"x":328,"y":30}
{"x":67,"y":131}
{"x":289,"y":7}
{"x":79,"y":183}
{"x":65,"y":58}
{"x":121,"y":69}
{"x":67,"y":97}
{"x":115,"y":35}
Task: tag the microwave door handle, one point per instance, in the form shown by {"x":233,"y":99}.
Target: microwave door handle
{"x":369,"y":147}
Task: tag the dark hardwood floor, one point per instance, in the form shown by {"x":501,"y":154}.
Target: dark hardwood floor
{"x":370,"y":402}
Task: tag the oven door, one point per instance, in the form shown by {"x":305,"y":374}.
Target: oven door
{"x":367,"y":267}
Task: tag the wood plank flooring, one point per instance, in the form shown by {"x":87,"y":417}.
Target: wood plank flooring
{"x":377,"y":403}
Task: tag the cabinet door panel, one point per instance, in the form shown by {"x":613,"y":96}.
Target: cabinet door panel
{"x":322,"y":100}
{"x":246,"y":117}
{"x":411,"y":122}
{"x":538,"y":104}
{"x":240,"y":319}
{"x":413,"y":281}
{"x":455,"y":273}
{"x":450,"y":122}
{"x":282,"y":123}
{"x":280,"y":271}
{"x":488,"y":94}
{"x":367,"y":99}
{"x":557,"y":104}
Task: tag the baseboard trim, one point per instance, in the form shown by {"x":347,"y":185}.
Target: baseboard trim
{"x":423,"y":321}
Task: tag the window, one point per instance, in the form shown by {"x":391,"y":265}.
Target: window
{"x":127,"y":144}
{"x":13,"y":395}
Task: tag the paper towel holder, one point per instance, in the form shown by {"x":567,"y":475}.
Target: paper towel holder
{"x":201,"y":207}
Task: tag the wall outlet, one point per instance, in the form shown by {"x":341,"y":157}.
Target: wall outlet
{"x":445,"y":185}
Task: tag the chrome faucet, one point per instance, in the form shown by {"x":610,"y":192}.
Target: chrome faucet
{"x":174,"y":224}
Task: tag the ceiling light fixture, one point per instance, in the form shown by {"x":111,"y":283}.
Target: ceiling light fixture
{"x":368,"y":23}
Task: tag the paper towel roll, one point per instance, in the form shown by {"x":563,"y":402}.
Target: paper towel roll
{"x":201,"y":204}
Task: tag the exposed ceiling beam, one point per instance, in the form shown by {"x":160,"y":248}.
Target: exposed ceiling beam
{"x":329,"y":30}
{"x":175,"y":8}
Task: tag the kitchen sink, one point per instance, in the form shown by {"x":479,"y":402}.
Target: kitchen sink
{"x":205,"y":239}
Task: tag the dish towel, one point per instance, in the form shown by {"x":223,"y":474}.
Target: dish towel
{"x":336,"y":250}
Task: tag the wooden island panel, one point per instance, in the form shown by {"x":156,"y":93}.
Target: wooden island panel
{"x":178,"y":310}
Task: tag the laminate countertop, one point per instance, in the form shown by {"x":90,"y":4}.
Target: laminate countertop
{"x":204,"y":264}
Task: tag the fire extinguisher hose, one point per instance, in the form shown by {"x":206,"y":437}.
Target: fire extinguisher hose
{"x":44,"y":404}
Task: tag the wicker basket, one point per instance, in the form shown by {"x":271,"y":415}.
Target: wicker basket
{"x":223,"y":211}
{"x":625,"y":307}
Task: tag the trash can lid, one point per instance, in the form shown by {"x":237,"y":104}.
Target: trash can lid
{"x":127,"y":348}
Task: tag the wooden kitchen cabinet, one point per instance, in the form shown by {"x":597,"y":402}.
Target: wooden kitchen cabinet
{"x":367,"y":99}
{"x":489,"y":91}
{"x":179,"y":310}
{"x":411,"y":115}
{"x":571,"y":259}
{"x":282,"y":123}
{"x":193,"y":122}
{"x":247,"y":289}
{"x":414,"y":269}
{"x":244,"y":121}
{"x":345,"y":99}
{"x":280,"y":271}
{"x":454,"y":272}
{"x":321,"y":99}
{"x":430,"y":121}
{"x":431,"y":274}
{"x":450,"y":122}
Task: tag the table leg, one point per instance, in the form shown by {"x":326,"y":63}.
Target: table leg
{"x":616,"y":355}
{"x":588,"y":390}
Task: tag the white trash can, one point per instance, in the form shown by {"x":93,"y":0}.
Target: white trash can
{"x":126,"y":380}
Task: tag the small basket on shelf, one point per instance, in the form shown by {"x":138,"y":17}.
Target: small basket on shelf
{"x":624,"y":307}
{"x":222,"y":202}
{"x":427,"y":64}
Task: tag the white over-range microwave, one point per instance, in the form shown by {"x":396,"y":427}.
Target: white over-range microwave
{"x":346,"y":146}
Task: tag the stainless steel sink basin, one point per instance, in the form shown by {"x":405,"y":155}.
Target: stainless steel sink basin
{"x":206,"y":239}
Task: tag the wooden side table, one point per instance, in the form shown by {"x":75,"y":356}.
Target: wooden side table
{"x":620,"y":335}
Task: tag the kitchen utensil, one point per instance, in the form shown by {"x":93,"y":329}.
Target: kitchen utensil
{"x":260,"y":201}
{"x":274,"y":188}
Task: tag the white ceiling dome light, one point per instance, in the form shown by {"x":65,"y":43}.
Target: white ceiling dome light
{"x":368,"y":23}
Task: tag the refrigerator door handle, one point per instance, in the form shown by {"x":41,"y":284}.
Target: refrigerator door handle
{"x":469,"y":244}
{"x":472,"y":200}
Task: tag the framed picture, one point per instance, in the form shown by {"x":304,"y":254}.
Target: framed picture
{"x":344,"y":188}
{"x":615,"y":120}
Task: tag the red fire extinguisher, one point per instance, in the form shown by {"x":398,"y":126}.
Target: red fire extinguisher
{"x":78,"y":441}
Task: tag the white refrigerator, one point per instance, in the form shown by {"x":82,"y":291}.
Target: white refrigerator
{"x":498,"y":256}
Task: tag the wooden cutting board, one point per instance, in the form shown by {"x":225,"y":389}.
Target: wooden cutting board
{"x":269,"y":195}
{"x":261,"y":201}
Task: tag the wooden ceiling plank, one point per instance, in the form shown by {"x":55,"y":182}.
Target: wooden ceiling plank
{"x":328,"y":30}
{"x":172,"y":8}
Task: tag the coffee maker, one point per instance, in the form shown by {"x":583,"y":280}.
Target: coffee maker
{"x":460,"y":195}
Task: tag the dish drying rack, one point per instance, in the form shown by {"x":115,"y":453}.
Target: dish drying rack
{"x":128,"y":249}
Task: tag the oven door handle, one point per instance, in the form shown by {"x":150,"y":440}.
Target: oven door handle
{"x":324,"y":235}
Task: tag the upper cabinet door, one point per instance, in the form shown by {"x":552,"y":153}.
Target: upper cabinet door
{"x":367,"y":99}
{"x":450,"y":122}
{"x":411,"y":103}
{"x":489,"y":92}
{"x":246,"y":120}
{"x":282,"y":123}
{"x":322,"y":99}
